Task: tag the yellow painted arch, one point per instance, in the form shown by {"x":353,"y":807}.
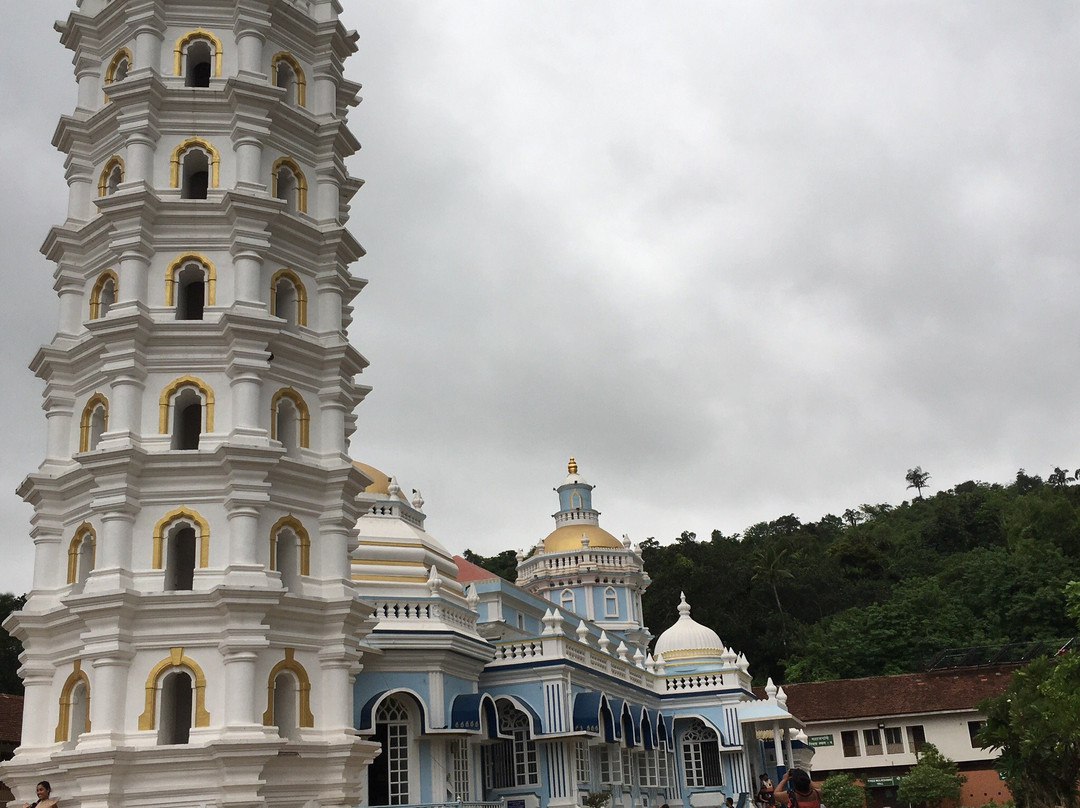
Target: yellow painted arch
{"x":187,"y":39}
{"x":95,"y":292}
{"x":92,"y":403}
{"x":176,"y":515}
{"x":63,"y":724}
{"x":304,"y":717}
{"x":194,"y":143}
{"x":176,"y":659}
{"x":84,"y":532}
{"x":302,"y":414}
{"x":301,"y":181}
{"x":170,"y":390}
{"x":301,"y":293}
{"x":179,"y":261}
{"x":302,"y":537}
{"x":116,"y":161}
{"x":301,"y":82}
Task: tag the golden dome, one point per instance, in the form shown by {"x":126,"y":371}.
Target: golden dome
{"x":380,"y":482}
{"x":568,"y":537}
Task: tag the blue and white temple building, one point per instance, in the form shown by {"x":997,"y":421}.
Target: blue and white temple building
{"x":541,"y":691}
{"x":226,"y":609}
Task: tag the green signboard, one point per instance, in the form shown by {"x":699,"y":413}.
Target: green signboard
{"x":820,"y":740}
{"x":882,"y":782}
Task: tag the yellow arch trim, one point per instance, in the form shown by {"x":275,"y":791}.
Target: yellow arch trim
{"x":82,"y":533}
{"x":110,"y":71}
{"x":87,"y":414}
{"x":187,"y":39}
{"x":302,"y":414}
{"x":301,"y":181}
{"x":303,"y":686}
{"x":77,"y":675}
{"x":95,"y":292}
{"x":177,"y":156}
{"x":116,"y":161}
{"x":301,"y":82}
{"x":179,"y":261}
{"x":176,"y":515}
{"x":187,"y":380}
{"x":301,"y":293}
{"x":176,"y":659}
{"x":303,"y":539}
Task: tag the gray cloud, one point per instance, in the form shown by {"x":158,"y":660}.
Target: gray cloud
{"x":742,"y":259}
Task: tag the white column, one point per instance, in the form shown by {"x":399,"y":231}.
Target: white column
{"x":81,"y":190}
{"x":777,"y":747}
{"x":108,"y":686}
{"x":72,"y":301}
{"x":248,"y":150}
{"x":38,"y":701}
{"x":125,"y":408}
{"x":323,"y":98}
{"x":244,"y":536}
{"x":58,"y":417}
{"x":88,"y":74}
{"x":240,"y":689}
{"x":249,"y":48}
{"x":139,"y":158}
{"x":789,"y":756}
{"x":50,"y":559}
{"x":133,"y":278}
{"x":330,"y":298}
{"x":112,"y":562}
{"x":248,"y":288}
{"x":147,"y":54}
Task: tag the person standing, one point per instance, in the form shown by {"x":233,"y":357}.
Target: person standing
{"x":43,"y":799}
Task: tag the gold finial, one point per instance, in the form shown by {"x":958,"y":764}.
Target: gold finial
{"x":572,"y":466}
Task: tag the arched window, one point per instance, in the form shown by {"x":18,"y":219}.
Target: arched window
{"x":103,"y":295}
{"x":181,"y":544}
{"x":175,"y":699}
{"x":74,"y":718}
{"x":389,"y":774}
{"x":118,"y":68}
{"x":195,"y":176}
{"x":194,"y":167}
{"x":197,"y":57}
{"x":94,"y":422}
{"x":289,"y":419}
{"x":288,"y":697}
{"x":190,"y":285}
{"x":187,"y":406}
{"x":290,"y":549}
{"x":111,"y":176}
{"x":566,"y":599}
{"x":575,"y":499}
{"x":701,"y":756}
{"x":288,"y":183}
{"x":82,"y":551}
{"x":511,"y":763}
{"x":288,"y":297}
{"x":286,"y":72}
{"x":611,"y":603}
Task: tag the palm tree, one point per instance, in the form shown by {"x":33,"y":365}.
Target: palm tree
{"x":917,"y":479}
{"x":769,"y":567}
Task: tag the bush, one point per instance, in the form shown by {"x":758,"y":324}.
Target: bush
{"x":841,"y":791}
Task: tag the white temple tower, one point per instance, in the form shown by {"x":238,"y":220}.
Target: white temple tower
{"x":192,"y":631}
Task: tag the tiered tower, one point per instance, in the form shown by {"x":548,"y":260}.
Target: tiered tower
{"x":192,"y":631}
{"x":583,"y":568}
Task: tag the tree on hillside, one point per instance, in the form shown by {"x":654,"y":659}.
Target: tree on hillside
{"x":10,"y":648}
{"x":917,"y":479}
{"x":931,"y":781}
{"x":504,"y":564}
{"x":1035,"y":723}
{"x":770,"y":568}
{"x":1060,"y":477}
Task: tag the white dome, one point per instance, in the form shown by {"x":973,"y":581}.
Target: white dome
{"x":688,"y":639}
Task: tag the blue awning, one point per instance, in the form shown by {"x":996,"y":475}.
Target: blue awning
{"x":475,"y":712}
{"x":366,"y":717}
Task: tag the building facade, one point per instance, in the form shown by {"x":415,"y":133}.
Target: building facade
{"x":226,"y":609}
{"x":874,"y":727}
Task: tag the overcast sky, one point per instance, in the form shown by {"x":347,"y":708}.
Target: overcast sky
{"x":741,"y":259}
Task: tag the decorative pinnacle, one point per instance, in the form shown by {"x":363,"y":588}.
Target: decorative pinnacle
{"x":571,"y":467}
{"x":684,"y":606}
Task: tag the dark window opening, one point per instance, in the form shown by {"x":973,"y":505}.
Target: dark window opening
{"x":174,"y":726}
{"x":199,"y":54}
{"x":190,"y":293}
{"x":196,"y":174}
{"x":180,"y":567}
{"x":187,"y":420}
{"x":849,"y":740}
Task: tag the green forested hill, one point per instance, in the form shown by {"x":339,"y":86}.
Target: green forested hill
{"x":881,"y":589}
